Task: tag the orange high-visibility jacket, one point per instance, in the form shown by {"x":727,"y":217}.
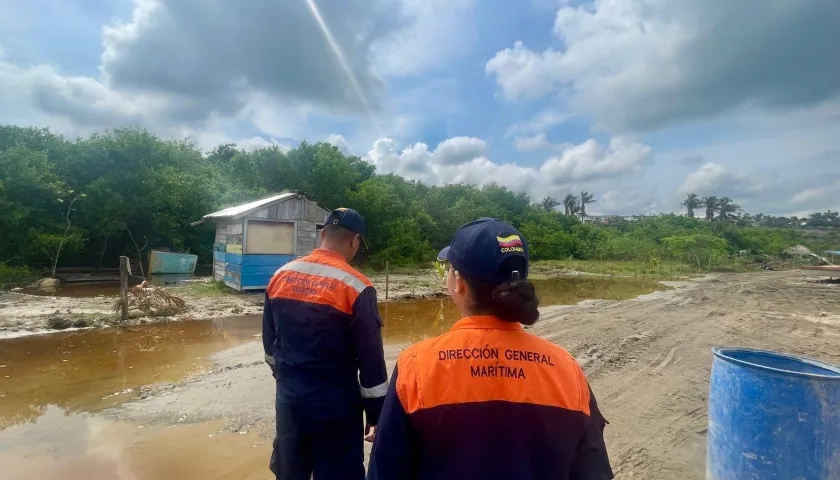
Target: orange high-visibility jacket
{"x":488,"y":400}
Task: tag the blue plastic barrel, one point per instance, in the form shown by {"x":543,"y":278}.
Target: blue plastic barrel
{"x":772,"y":417}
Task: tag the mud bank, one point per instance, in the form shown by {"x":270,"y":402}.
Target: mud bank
{"x":648,"y":360}
{"x":24,"y":314}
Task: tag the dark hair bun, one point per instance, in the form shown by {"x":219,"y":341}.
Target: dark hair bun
{"x":515,"y":302}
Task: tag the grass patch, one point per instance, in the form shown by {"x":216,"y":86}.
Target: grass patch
{"x":409,"y":269}
{"x":213,"y":288}
{"x":664,"y":268}
{"x":11,"y":277}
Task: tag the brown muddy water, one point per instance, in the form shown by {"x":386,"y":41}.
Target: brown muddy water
{"x":52,"y":385}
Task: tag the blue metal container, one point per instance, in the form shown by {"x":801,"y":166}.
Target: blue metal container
{"x":161,"y":263}
{"x":772,"y":417}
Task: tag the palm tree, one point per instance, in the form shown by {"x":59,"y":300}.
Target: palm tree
{"x":711,"y":205}
{"x":570,"y":203}
{"x":727,"y":209}
{"x":691,"y":203}
{"x":549,"y":204}
{"x":585,"y":199}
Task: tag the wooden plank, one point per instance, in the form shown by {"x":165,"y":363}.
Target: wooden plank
{"x":125,"y":269}
{"x":233,"y":248}
{"x":234,"y":228}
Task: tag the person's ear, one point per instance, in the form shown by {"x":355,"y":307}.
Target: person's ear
{"x":460,"y":284}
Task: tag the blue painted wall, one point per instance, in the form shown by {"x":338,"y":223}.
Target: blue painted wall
{"x":257,"y":270}
{"x":250,"y":272}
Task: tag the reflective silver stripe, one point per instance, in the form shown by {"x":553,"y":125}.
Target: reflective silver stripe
{"x":375,"y":392}
{"x":269,"y":359}
{"x":325,"y":271}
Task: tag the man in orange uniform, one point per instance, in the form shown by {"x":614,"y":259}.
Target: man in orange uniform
{"x":488,"y":400}
{"x":322,"y":338}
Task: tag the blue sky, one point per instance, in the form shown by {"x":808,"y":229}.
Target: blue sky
{"x":637,"y":101}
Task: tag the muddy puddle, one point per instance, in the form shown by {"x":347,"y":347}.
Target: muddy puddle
{"x":79,"y":446}
{"x":413,"y":320}
{"x":50,"y":386}
{"x":88,"y":370}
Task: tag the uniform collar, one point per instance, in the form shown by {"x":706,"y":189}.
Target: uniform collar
{"x":329,"y":253}
{"x":486,"y":322}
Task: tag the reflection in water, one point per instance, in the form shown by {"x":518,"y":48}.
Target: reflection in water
{"x":414,"y":320}
{"x":88,"y":370}
{"x":79,"y":446}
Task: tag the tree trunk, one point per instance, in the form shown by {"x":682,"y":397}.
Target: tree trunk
{"x":60,"y":246}
{"x":124,"y":287}
{"x":102,"y":254}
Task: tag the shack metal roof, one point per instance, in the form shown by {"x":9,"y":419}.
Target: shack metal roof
{"x":246,"y":208}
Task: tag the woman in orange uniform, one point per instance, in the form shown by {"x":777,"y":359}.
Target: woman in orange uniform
{"x":487,"y":400}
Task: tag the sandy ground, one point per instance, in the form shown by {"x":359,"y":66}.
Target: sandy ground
{"x":26,"y":314}
{"x":648,"y":361}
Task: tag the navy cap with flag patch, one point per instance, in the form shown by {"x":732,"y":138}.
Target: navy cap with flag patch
{"x":347,"y":218}
{"x":488,"y":250}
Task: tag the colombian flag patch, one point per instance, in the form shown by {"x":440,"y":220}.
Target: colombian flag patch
{"x":509,"y":241}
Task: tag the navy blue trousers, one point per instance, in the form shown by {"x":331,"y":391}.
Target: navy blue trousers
{"x":310,"y":441}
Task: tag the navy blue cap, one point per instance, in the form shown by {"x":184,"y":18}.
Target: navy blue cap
{"x":347,"y":218}
{"x":485,"y":250}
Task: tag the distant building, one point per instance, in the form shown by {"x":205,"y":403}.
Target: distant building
{"x":607,"y":219}
{"x":256,"y":238}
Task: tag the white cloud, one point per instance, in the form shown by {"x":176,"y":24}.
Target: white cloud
{"x":418,"y":162}
{"x":708,"y":178}
{"x":40,"y":95}
{"x":822,"y":194}
{"x":434,"y":32}
{"x":255,"y":143}
{"x":626,"y":201}
{"x":542,"y":122}
{"x":527,"y":144}
{"x":459,"y":150}
{"x":762,"y":191}
{"x":587,"y":162}
{"x":641,"y":64}
{"x":523,"y":74}
{"x":185,"y":64}
{"x":339,"y":142}
{"x":212,"y":53}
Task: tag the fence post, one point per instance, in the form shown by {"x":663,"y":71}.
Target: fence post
{"x":387,"y":278}
{"x":124,"y":272}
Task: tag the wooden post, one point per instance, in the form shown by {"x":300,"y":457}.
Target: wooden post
{"x":125,"y":268}
{"x":387,"y":278}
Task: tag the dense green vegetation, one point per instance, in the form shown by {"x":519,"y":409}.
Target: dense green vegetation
{"x":127,"y":191}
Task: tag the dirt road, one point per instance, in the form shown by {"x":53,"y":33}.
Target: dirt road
{"x":648,"y":360}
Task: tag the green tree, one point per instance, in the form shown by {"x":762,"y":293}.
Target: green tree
{"x":711,"y":205}
{"x":585,"y":199}
{"x":549,"y":204}
{"x":572,"y":207}
{"x":691,"y":203}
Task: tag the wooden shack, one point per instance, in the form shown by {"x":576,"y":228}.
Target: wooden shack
{"x":254,"y":239}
